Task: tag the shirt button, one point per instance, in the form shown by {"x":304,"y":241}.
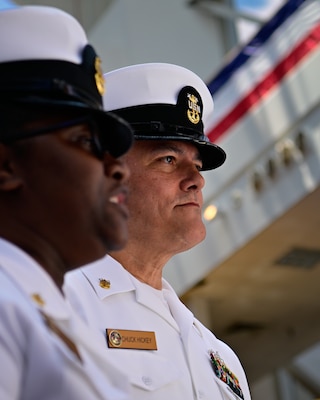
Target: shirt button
{"x":147,"y":380}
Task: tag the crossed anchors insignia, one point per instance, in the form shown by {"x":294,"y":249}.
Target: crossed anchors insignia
{"x":194,"y":109}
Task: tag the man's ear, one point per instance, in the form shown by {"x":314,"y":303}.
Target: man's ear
{"x":9,"y":179}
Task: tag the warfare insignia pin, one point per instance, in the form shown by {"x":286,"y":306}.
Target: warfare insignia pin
{"x":224,"y":374}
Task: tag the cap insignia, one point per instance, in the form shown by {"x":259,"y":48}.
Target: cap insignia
{"x":194,"y":110}
{"x":92,"y":63}
{"x":98,"y":76}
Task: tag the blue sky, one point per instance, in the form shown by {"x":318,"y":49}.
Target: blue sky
{"x":263,"y":9}
{"x":251,"y":3}
{"x":260,"y":7}
{"x":6,"y":4}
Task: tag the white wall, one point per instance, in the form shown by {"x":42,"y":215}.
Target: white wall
{"x":133,"y":32}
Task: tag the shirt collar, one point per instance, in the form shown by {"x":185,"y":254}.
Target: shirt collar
{"x":108,"y":277}
{"x":32,"y":280}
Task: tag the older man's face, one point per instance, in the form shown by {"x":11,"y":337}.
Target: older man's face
{"x":165,"y":195}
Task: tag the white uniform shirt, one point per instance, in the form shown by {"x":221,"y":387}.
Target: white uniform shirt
{"x":36,"y":363}
{"x":180,"y":368}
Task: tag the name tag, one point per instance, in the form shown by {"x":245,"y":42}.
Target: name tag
{"x":127,"y":339}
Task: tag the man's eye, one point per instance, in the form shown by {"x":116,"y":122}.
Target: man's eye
{"x":87,"y":142}
{"x":168,"y":159}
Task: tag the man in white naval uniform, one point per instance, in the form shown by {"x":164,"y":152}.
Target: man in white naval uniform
{"x":166,"y":352}
{"x":62,"y":194}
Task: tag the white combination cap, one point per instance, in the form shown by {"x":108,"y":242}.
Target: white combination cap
{"x":46,"y":61}
{"x":164,"y":102}
{"x":40,"y":33}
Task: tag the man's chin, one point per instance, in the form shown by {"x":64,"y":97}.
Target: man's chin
{"x":187,"y":243}
{"x":115,"y":238}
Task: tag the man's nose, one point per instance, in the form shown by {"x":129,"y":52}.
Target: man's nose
{"x":116,"y":168}
{"x":193,"y":179}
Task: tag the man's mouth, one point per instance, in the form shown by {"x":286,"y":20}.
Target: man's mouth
{"x":119,"y":198}
{"x":190,"y":203}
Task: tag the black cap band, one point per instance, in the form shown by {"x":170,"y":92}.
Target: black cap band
{"x":48,"y":79}
{"x":54,"y":79}
{"x":181,"y":121}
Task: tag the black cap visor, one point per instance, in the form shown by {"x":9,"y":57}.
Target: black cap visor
{"x":168,"y":122}
{"x":212,"y":156}
{"x":63,"y":86}
{"x":115,"y":134}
